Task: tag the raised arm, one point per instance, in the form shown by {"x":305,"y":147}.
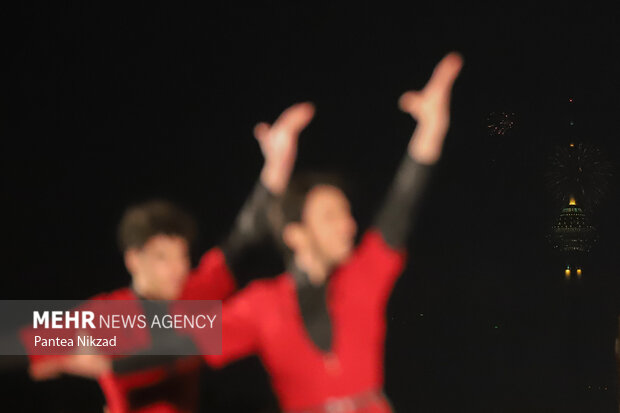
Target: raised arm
{"x":278,"y":144}
{"x":430,"y":107}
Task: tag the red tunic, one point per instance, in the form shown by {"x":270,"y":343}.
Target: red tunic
{"x":265,"y":319}
{"x":175,"y":386}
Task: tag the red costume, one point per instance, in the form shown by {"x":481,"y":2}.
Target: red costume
{"x":171,"y":388}
{"x":265,"y":319}
{"x":150,"y":386}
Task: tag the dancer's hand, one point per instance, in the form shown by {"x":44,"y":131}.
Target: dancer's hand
{"x":45,"y":370}
{"x":83,"y":365}
{"x":430,"y":107}
{"x":278,"y":143}
{"x":88,"y":365}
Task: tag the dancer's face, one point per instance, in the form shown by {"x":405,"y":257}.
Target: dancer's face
{"x":327,"y":229}
{"x":160,"y":268}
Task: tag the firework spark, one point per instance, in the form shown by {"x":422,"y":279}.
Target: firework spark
{"x":579,"y":170}
{"x":499,"y":123}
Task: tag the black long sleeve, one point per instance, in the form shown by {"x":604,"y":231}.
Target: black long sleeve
{"x":250,"y":231}
{"x":394,"y":221}
{"x":397,"y":214}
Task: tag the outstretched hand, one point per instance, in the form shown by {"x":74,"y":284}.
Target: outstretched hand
{"x":430,"y":107}
{"x":83,"y":365}
{"x":278,"y":143}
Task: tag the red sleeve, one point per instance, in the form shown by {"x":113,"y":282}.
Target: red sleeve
{"x":375,"y":266}
{"x":211,"y":280}
{"x":115,"y":397}
{"x":240,"y":327}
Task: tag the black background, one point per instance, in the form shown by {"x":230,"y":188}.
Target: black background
{"x":103,"y":106}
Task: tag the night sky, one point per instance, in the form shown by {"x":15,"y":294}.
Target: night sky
{"x":104,"y":106}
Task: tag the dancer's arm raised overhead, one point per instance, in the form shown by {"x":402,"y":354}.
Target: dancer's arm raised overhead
{"x":430,"y":107}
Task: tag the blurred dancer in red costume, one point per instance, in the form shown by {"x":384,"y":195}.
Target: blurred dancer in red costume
{"x":319,"y":328}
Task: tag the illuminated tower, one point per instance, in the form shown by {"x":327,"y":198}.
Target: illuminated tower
{"x":573,"y":237}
